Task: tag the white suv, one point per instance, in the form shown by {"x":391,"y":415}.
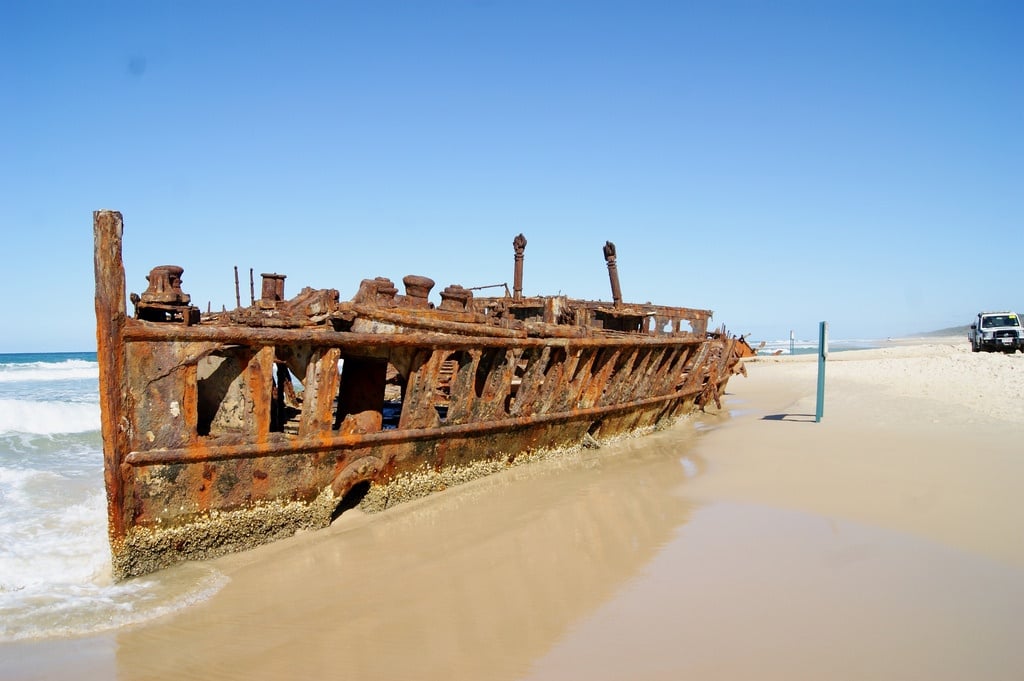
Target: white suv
{"x":996,"y":331}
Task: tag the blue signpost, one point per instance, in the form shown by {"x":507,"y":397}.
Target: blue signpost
{"x":822,"y":355}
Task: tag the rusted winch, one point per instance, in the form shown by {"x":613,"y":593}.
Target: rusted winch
{"x":163,"y":300}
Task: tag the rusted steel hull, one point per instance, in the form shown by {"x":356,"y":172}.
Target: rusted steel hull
{"x":231,"y":430}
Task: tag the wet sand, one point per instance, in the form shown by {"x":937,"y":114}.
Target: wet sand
{"x":886,"y":542}
{"x":883,"y":542}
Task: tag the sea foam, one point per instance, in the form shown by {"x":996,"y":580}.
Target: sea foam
{"x":55,"y":573}
{"x":48,"y":417}
{"x":55,"y":570}
{"x":68,"y":370}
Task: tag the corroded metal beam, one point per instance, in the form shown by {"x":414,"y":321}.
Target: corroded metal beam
{"x":137,"y":332}
{"x":108,"y":228}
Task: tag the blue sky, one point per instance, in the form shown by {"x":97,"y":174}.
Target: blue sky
{"x":780,"y":163}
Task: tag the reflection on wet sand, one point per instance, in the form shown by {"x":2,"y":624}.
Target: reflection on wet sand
{"x":746,"y":591}
{"x":473,"y":583}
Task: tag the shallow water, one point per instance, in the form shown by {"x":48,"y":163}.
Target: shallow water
{"x":54,"y":558}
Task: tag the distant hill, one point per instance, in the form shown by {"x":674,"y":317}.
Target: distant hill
{"x":951,"y":331}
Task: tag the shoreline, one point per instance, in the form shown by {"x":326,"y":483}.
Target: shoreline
{"x":883,"y":541}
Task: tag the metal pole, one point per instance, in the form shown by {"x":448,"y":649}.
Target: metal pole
{"x":519,"y":244}
{"x":613,"y":272}
{"x":822,"y":356}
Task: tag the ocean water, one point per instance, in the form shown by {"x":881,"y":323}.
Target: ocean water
{"x":809,"y":347}
{"x":55,"y":577}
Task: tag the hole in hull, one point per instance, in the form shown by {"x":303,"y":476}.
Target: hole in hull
{"x":351,"y":499}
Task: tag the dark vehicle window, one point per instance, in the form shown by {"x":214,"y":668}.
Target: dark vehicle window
{"x":1001,"y":320}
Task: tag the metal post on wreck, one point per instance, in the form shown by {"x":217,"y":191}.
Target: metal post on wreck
{"x":272,"y":291}
{"x":613,"y":272}
{"x":519,"y":244}
{"x":108,"y":228}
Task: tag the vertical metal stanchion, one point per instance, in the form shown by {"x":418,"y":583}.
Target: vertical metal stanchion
{"x":822,"y":356}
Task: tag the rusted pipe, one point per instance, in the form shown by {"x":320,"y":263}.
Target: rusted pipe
{"x":519,"y":244}
{"x":613,"y":272}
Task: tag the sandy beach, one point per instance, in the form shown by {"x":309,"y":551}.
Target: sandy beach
{"x":886,"y":542}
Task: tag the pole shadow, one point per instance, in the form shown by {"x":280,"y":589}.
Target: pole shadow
{"x":798,"y":418}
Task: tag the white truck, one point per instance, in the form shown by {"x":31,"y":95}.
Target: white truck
{"x":996,"y":331}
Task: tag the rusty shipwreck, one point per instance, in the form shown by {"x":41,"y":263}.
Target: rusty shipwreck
{"x":227,"y":430}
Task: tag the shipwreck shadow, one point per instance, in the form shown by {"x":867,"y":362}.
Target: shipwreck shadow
{"x":798,"y":418}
